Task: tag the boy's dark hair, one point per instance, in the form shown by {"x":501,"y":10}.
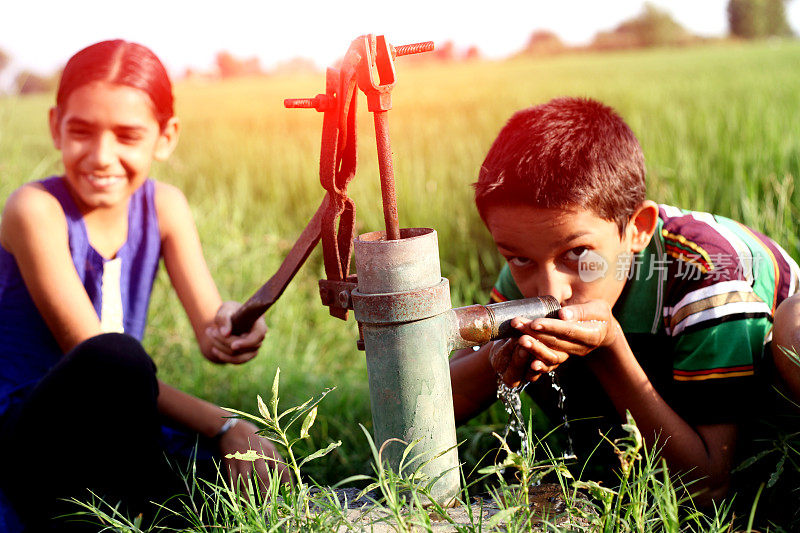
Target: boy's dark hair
{"x":569,"y":152}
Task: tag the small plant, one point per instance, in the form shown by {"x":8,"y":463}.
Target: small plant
{"x":270,"y":419}
{"x":296,"y":495}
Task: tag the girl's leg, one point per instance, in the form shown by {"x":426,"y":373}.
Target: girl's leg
{"x":92,"y":422}
{"x":786,"y":336}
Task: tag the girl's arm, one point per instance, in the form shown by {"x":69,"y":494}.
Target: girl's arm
{"x":187,"y":269}
{"x":207,"y":419}
{"x":34,"y":230}
{"x":209,"y":316}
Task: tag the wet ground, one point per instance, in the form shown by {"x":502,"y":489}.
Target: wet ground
{"x":546,"y":503}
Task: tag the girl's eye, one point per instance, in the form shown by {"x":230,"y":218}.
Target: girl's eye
{"x":519,"y":261}
{"x":129,"y":138}
{"x":576,"y":253}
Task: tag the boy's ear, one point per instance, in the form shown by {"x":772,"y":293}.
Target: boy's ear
{"x":55,"y":132}
{"x":167,"y":140}
{"x":642,"y":225}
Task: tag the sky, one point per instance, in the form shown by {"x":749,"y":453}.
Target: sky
{"x":41,"y":35}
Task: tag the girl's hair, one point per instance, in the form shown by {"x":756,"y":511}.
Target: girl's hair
{"x":123,"y":63}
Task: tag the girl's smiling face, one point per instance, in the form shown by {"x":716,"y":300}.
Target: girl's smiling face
{"x":109,"y":136}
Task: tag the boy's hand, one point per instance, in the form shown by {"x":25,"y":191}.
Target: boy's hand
{"x":227,"y":348}
{"x":512,"y":362}
{"x":581,"y":329}
{"x":546,"y":343}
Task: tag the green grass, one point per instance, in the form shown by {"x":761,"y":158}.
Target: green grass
{"x":647,"y":498}
{"x":718,"y":125}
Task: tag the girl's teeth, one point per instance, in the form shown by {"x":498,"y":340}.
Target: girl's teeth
{"x":103,"y":180}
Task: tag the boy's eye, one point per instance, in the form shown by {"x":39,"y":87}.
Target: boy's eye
{"x":519,"y":261}
{"x":576,"y":253}
{"x":78,"y":132}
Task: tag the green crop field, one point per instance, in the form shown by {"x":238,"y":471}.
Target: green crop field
{"x":720,"y":128}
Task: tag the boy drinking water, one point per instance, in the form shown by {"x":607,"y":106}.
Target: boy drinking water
{"x":666,"y":313}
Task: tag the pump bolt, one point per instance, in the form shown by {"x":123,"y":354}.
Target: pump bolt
{"x":344,"y":299}
{"x":416,"y":48}
{"x":321,"y":102}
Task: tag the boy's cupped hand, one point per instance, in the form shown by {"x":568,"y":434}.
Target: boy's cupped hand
{"x":545,"y":343}
{"x":227,"y":348}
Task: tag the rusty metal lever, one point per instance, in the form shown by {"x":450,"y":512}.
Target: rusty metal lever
{"x":244,"y":318}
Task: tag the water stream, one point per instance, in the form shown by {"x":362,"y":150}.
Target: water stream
{"x":562,"y":406}
{"x":513,"y":406}
{"x":516,"y":423}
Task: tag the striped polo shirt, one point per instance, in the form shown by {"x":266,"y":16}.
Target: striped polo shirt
{"x":697,"y":309}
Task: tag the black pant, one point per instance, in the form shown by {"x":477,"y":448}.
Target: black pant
{"x":91,"y":423}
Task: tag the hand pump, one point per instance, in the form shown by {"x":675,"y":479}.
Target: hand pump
{"x":400,"y":300}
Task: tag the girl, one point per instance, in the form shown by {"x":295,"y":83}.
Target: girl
{"x":80,"y":405}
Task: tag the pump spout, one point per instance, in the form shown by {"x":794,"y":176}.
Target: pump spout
{"x":478,"y":324}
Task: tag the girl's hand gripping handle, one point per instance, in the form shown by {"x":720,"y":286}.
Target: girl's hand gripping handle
{"x":229,"y":347}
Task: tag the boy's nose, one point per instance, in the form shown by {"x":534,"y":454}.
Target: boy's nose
{"x":553,"y":283}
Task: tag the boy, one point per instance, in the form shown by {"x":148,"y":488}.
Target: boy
{"x":671,"y":308}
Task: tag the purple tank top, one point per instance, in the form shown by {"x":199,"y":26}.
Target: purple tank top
{"x":27,"y":348}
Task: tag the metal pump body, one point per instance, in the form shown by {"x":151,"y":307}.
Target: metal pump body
{"x":409,"y":328}
{"x":402,"y":303}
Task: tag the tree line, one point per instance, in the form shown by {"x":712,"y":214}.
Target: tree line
{"x":747,"y":19}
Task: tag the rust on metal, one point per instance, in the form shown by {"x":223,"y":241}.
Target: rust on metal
{"x":337,"y":168}
{"x":376,"y":77}
{"x":386,"y":167}
{"x":386,"y":266}
{"x":399,"y":307}
{"x":416,"y":48}
{"x":479,"y":324}
{"x":376,"y":74}
{"x":473,"y":326}
{"x":405,"y":234}
{"x":330,"y":292}
{"x":530,"y":308}
{"x":321,"y":102}
{"x":360,"y":342}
